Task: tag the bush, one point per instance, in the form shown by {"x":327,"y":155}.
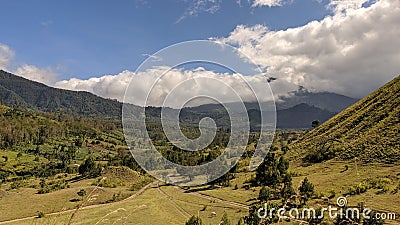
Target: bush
{"x":75,"y":200}
{"x":52,"y":186}
{"x":17,"y":184}
{"x":40,"y":214}
{"x":138,"y":185}
{"x":359,"y":189}
{"x":111,"y":182}
{"x":194,"y":220}
{"x":81,"y":193}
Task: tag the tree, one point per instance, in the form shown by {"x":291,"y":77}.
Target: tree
{"x":315,"y":123}
{"x":306,"y":189}
{"x":267,"y":173}
{"x":283,"y":166}
{"x":89,"y":168}
{"x":264,"y":194}
{"x":194,"y":220}
{"x":287,"y":190}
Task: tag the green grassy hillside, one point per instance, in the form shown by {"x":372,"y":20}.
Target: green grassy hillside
{"x":368,"y":130}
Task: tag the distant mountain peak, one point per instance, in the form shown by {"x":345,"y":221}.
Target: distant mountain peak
{"x":325,"y":100}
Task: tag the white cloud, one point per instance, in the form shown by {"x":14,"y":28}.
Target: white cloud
{"x":6,"y":56}
{"x":352,"y":54}
{"x":199,"y":6}
{"x":46,"y":75}
{"x":113,"y":86}
{"x":109,"y":86}
{"x":343,"y":6}
{"x":42,"y":75}
{"x":268,"y":3}
{"x":46,"y":23}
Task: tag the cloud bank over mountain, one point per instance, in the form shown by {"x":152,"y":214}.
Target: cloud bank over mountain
{"x":114,"y":86}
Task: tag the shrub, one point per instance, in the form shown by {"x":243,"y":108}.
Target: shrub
{"x":112,"y":182}
{"x":75,"y":200}
{"x":81,"y":192}
{"x":40,"y":214}
{"x":194,"y":220}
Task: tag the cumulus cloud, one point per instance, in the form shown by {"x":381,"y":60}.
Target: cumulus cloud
{"x":268,"y":3}
{"x":200,"y":81}
{"x":108,"y":86}
{"x":351,"y":54}
{"x":343,"y":6}
{"x":42,"y":75}
{"x":6,"y":55}
{"x":31,"y":72}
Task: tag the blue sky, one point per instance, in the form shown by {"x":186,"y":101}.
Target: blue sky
{"x":92,"y":38}
{"x":350,"y":47}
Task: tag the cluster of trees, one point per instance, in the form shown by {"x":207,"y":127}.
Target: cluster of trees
{"x":18,"y":128}
{"x":90,"y":168}
{"x":276,"y":184}
{"x":273,"y":173}
{"x":55,"y":140}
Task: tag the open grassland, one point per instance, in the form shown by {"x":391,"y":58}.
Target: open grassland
{"x":377,"y":183}
{"x":117,"y":183}
{"x":162,"y":204}
{"x":157,"y":205}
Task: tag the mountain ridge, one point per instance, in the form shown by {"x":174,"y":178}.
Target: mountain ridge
{"x":19,"y":92}
{"x":40,"y":97}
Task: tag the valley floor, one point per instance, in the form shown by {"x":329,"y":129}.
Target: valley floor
{"x":160,"y":204}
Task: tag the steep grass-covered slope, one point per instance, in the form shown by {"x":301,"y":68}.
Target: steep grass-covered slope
{"x":368,"y":130}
